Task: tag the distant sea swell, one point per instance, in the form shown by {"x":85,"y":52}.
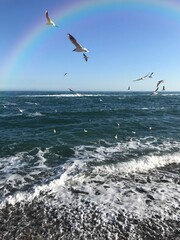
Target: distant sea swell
{"x":103,"y":165}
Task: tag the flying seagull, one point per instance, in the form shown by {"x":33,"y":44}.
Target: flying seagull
{"x":159,"y":82}
{"x":85,"y":57}
{"x":150,"y":76}
{"x":163,"y":88}
{"x":77,"y":94}
{"x":65,"y":74}
{"x":142,"y":78}
{"x":78,"y":48}
{"x":49,"y":21}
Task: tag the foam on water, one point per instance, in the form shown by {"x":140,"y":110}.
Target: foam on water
{"x":36,"y":114}
{"x":116,"y":185}
{"x":22,"y":170}
{"x":63,"y":95}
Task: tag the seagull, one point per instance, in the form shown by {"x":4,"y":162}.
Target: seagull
{"x":65,"y":74}
{"x":77,"y":94}
{"x":129,"y":88}
{"x":85,"y":57}
{"x":159,"y":82}
{"x":85,"y":130}
{"x":150,"y":76}
{"x":142,"y":78}
{"x":163,"y":88}
{"x":49,"y":21}
{"x":78,"y":48}
{"x":20,"y":110}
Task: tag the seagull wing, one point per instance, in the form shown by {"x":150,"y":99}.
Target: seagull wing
{"x":49,"y":21}
{"x":156,"y":89}
{"x":159,"y":82}
{"x":141,"y":78}
{"x":150,"y":76}
{"x":146,"y":75}
{"x":138,"y":79}
{"x":71,"y":90}
{"x":47,"y":17}
{"x":73,"y":40}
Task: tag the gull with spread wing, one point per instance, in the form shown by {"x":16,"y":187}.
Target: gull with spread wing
{"x":78,"y":48}
{"x":142,"y":78}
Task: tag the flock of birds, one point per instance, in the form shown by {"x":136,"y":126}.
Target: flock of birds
{"x":78,"y":48}
{"x":150,"y":75}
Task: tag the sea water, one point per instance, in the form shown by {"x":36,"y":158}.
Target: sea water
{"x":93,"y":165}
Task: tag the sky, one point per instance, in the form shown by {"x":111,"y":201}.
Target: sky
{"x":126,"y":40}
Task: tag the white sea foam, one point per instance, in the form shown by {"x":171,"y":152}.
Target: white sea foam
{"x":32,"y":103}
{"x":36,"y":114}
{"x":65,"y":95}
{"x":13,"y":170}
{"x":110,"y":195}
{"x":119,"y":185}
{"x":42,"y":159}
{"x":13,"y":162}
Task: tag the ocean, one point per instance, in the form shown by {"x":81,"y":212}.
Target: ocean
{"x":92,"y":165}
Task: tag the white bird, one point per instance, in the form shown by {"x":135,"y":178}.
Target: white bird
{"x":78,"y":48}
{"x":85,"y":57}
{"x":85,"y":130}
{"x":142,"y":78}
{"x":49,"y":20}
{"x":116,"y":136}
{"x":54,"y":130}
{"x":20,"y":110}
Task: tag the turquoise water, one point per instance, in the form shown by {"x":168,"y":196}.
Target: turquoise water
{"x":95,"y":144}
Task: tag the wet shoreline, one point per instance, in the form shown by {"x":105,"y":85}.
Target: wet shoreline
{"x":45,"y":218}
{"x":37,"y":221}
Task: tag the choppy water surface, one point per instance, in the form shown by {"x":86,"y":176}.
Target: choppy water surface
{"x":99,"y":165}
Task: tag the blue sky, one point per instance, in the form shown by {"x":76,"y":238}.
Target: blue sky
{"x":126,"y":39}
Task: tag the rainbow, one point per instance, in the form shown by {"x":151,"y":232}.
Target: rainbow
{"x":64,"y":14}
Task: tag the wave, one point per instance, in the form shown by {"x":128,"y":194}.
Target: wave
{"x":63,"y":95}
{"x":140,"y":186}
{"x":36,"y":114}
